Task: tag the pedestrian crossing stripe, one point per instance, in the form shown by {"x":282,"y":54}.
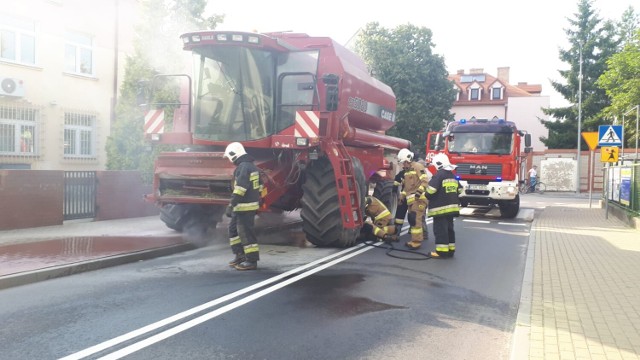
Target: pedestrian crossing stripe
{"x":609,"y":135}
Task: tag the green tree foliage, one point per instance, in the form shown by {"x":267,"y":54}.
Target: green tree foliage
{"x":622,"y":84}
{"x":157,"y":49}
{"x":403,"y":58}
{"x":593,"y":40}
{"x":628,"y":27}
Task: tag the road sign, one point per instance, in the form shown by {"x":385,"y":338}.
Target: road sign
{"x":591,"y":139}
{"x":609,"y":154}
{"x":610,"y":135}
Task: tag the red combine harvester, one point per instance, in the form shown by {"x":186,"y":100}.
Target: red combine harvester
{"x":305,"y":108}
{"x":487,"y":155}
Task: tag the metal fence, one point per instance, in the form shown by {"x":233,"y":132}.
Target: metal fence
{"x":622,"y":186}
{"x":79,"y":194}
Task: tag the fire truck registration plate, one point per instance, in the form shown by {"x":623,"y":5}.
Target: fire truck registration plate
{"x":477,"y":187}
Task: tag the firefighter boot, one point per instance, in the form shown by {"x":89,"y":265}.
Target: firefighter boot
{"x":390,"y":238}
{"x":413,"y":245}
{"x":237,"y":260}
{"x":247,"y":265}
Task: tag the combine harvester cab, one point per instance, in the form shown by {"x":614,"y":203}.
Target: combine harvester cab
{"x":488,"y":157}
{"x":304,"y":107}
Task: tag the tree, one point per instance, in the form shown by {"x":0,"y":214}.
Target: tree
{"x":403,"y":59}
{"x":628,"y":27}
{"x":622,"y":84}
{"x":163,"y":22}
{"x":594,"y":41}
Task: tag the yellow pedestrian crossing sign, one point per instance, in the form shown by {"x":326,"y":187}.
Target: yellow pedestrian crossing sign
{"x":609,"y":154}
{"x":610,"y":135}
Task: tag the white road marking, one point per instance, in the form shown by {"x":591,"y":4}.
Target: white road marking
{"x":200,"y":319}
{"x":477,"y":221}
{"x":512,"y":224}
{"x":158,"y":324}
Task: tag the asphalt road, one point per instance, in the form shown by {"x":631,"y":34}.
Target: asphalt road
{"x":303,"y":303}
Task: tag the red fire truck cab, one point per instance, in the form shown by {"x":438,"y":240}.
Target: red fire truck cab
{"x":487,"y":155}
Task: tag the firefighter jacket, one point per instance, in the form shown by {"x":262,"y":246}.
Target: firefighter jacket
{"x":378,"y":212}
{"x":443,"y":193}
{"x":247,"y":185}
{"x":414,"y":182}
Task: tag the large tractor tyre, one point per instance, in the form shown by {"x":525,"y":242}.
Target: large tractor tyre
{"x":509,"y":210}
{"x":384,"y":191}
{"x":321,"y":217}
{"x":174,"y":216}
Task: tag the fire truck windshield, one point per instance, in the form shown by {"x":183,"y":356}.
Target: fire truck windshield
{"x":233,"y":93}
{"x":480,"y":143}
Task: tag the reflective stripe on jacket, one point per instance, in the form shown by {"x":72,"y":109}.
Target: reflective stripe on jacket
{"x":443,"y":194}
{"x":246,"y":185}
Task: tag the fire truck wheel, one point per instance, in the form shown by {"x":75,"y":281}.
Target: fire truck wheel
{"x":509,"y":210}
{"x":321,"y":216}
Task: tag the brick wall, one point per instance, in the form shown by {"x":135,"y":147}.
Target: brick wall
{"x":120,"y":196}
{"x":34,"y":198}
{"x":30,"y":198}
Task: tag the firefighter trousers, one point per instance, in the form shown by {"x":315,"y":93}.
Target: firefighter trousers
{"x":416,"y":220}
{"x":444,"y":234}
{"x":242,"y":237}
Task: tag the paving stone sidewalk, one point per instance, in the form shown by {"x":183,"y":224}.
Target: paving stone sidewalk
{"x":581,"y":289}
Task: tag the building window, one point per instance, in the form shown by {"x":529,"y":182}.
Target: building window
{"x":496,"y":93}
{"x":79,"y":135}
{"x":18,"y":131}
{"x":78,"y":53}
{"x":17,"y":40}
{"x":475,"y":94}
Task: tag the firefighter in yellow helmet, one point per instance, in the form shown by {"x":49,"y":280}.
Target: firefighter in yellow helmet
{"x":245,"y":201}
{"x":379,"y":222}
{"x":414,"y":181}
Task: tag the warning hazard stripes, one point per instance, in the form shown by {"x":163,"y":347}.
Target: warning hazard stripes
{"x":154,"y":121}
{"x":307,"y":124}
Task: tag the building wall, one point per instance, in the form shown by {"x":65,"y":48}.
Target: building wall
{"x":479,"y":111}
{"x":50,"y":90}
{"x":526,"y":112}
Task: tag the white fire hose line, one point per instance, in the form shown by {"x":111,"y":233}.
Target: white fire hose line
{"x":342,"y":256}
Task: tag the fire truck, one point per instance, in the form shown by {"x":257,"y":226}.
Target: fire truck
{"x":306,"y":108}
{"x":487,"y":153}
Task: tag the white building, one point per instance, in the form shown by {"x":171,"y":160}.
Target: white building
{"x":61,"y":65}
{"x":484,"y":96}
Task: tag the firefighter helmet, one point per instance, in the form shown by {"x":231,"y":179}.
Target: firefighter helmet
{"x":441,"y":161}
{"x":404,"y":155}
{"x":234,"y":151}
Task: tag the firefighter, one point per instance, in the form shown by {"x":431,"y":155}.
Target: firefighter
{"x":414,"y":180}
{"x":443,"y":192}
{"x":379,"y":222}
{"x":242,"y":210}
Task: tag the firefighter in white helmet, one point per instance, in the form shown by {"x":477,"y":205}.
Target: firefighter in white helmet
{"x":245,"y":201}
{"x":443,"y":192}
{"x":414,"y":179}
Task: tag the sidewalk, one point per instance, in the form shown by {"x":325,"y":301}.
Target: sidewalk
{"x":36,"y":254}
{"x":581,"y":292}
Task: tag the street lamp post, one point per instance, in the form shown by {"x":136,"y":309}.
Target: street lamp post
{"x":579,"y":120}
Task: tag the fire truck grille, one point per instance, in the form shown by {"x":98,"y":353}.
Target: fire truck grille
{"x":479,"y":169}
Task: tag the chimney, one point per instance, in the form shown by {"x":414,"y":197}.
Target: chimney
{"x":503,"y":74}
{"x":461,"y":72}
{"x":476,"y":71}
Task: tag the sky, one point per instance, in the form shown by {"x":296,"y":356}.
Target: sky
{"x":522,"y":35}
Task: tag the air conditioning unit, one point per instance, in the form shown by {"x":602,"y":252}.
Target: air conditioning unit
{"x":11,"y":87}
